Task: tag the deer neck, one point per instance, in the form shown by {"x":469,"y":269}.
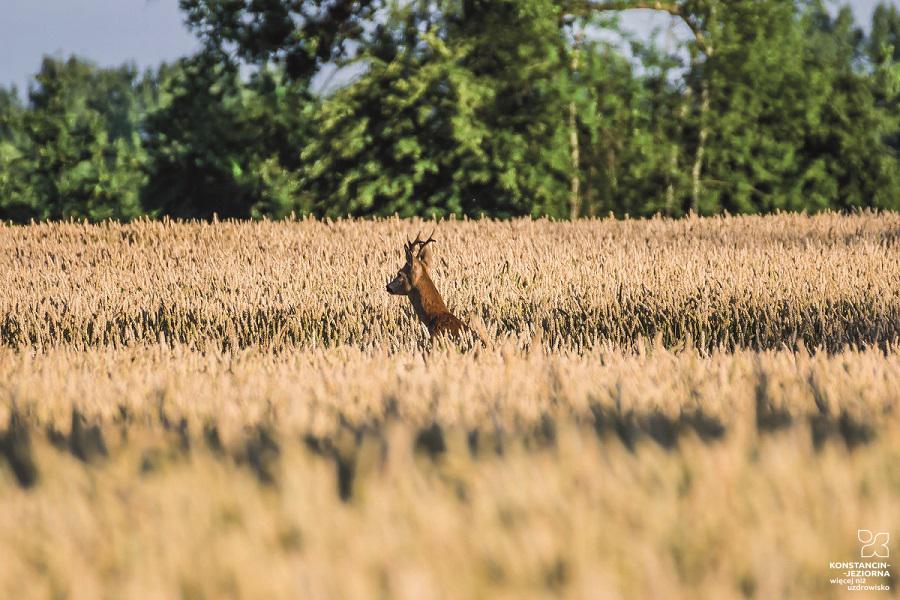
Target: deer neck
{"x":426,"y":300}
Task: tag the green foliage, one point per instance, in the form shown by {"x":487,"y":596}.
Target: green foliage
{"x":393,"y":141}
{"x":13,"y":187}
{"x":220,"y":146}
{"x":518,"y":50}
{"x":469,"y":107}
{"x":75,"y":152}
{"x":631,"y":133}
{"x":439,"y":125}
{"x":300,"y":36}
{"x":884,"y":39}
{"x":793,"y":124}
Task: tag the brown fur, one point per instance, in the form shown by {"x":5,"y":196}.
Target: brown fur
{"x":447,"y":324}
{"x":412,"y":280}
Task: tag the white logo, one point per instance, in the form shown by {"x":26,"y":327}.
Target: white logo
{"x":873,"y":544}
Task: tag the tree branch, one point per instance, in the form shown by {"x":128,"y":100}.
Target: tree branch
{"x":585,"y":8}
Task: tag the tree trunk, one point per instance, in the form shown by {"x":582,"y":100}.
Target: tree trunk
{"x":701,"y":147}
{"x":574,"y":148}
{"x":704,"y":126}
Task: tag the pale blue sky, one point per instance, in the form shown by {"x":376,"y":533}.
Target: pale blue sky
{"x":110,"y":32}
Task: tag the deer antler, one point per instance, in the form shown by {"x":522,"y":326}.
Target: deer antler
{"x":430,"y":240}
{"x":410,"y":246}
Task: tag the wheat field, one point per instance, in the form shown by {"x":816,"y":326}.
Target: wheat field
{"x":702,"y":408}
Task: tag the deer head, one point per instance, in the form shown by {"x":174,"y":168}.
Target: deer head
{"x":418,"y":260}
{"x":413,"y":281}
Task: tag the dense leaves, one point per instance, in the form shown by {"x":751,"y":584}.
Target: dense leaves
{"x":794,"y":123}
{"x":220,"y":146}
{"x":76,"y":150}
{"x":504,"y":108}
{"x":440,"y":125}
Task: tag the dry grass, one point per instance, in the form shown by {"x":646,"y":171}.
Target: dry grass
{"x":239,"y":410}
{"x":755,"y":282}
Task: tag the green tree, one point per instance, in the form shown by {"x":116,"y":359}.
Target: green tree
{"x":14,"y":190}
{"x":503,"y":107}
{"x":633,"y":158}
{"x":218,"y":145}
{"x":299,"y":36}
{"x":883,"y":52}
{"x":884,"y":38}
{"x":77,"y":152}
{"x":857,"y":118}
{"x":445,"y":121}
{"x":793,"y":122}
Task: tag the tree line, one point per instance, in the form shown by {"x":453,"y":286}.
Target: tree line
{"x":468,"y":107}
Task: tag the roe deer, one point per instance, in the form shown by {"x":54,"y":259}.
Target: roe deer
{"x":412,"y":280}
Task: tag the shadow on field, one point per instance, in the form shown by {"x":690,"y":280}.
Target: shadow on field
{"x":260,"y":447}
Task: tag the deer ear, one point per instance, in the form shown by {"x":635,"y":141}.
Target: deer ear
{"x":426,"y":256}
